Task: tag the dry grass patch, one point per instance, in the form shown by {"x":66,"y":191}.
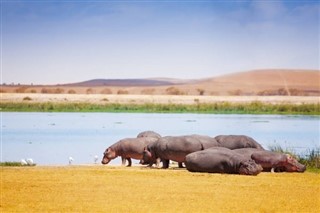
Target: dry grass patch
{"x":118,"y":189}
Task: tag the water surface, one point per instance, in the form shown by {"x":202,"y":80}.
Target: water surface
{"x":51,"y":138}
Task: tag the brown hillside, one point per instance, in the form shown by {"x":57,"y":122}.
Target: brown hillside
{"x":257,"y":82}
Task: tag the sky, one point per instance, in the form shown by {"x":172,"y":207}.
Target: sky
{"x":53,"y":42}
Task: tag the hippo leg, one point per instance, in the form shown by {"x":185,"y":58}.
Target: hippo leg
{"x":165,"y":164}
{"x":180,"y":165}
{"x":123,"y":161}
{"x":129,"y":162}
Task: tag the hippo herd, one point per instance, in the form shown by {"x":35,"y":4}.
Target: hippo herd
{"x":231,"y":154}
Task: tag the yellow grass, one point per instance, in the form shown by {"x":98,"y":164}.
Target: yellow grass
{"x":119,"y":189}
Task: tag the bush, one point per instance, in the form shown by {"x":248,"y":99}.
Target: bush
{"x":9,"y":163}
{"x":71,"y":91}
{"x":89,"y":91}
{"x":58,"y":91}
{"x":106,"y":91}
{"x":27,"y":98}
{"x":174,"y":91}
{"x":122,"y":92}
{"x":201,"y":91}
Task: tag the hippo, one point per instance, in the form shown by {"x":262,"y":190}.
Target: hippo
{"x":272,"y":161}
{"x":148,"y":134}
{"x":127,"y":148}
{"x":175,"y":148}
{"x":221,"y":160}
{"x":237,"y":142}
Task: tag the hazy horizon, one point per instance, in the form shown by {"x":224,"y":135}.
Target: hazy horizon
{"x":65,"y":42}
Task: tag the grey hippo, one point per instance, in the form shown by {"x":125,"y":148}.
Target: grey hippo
{"x":273,"y":161}
{"x":221,"y":160}
{"x":127,"y":148}
{"x":237,"y":142}
{"x":175,"y":148}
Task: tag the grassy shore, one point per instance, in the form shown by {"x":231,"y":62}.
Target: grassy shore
{"x":120,"y":189}
{"x":214,"y":108}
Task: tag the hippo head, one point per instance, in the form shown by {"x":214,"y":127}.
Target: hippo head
{"x":146,"y":156}
{"x":108,"y":155}
{"x":292,"y":165}
{"x":249,"y":167}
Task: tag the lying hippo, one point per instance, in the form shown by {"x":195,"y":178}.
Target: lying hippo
{"x":148,"y":134}
{"x":273,"y":161}
{"x":237,"y":142}
{"x":127,"y":148}
{"x":221,"y":160}
{"x":175,"y":148}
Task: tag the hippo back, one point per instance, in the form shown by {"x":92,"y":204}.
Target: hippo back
{"x":177,"y":147}
{"x":237,"y":142}
{"x":148,"y":134}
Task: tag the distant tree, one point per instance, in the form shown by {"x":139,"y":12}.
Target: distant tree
{"x":58,"y":91}
{"x":174,"y":91}
{"x":71,"y":91}
{"x":89,"y":91}
{"x":201,"y":91}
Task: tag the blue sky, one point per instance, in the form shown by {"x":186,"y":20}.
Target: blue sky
{"x":50,"y":42}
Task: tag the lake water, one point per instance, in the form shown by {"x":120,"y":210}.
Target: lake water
{"x":50,"y":138}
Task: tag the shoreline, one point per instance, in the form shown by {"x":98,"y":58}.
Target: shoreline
{"x":153,"y":99}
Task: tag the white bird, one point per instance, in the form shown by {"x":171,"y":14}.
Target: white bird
{"x":23,"y":162}
{"x":70,"y":160}
{"x":29,"y":161}
{"x":96,"y":158}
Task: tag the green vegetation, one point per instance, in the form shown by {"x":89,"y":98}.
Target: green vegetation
{"x":8,"y":163}
{"x":310,"y":159}
{"x":214,"y":108}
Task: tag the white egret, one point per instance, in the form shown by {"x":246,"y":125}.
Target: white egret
{"x":29,"y":161}
{"x":96,"y":158}
{"x":70,"y":160}
{"x":23,"y":162}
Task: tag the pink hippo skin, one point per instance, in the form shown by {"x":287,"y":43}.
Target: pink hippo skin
{"x":273,"y":161}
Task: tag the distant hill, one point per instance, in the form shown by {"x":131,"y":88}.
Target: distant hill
{"x":268,"y":82}
{"x":121,"y":83}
